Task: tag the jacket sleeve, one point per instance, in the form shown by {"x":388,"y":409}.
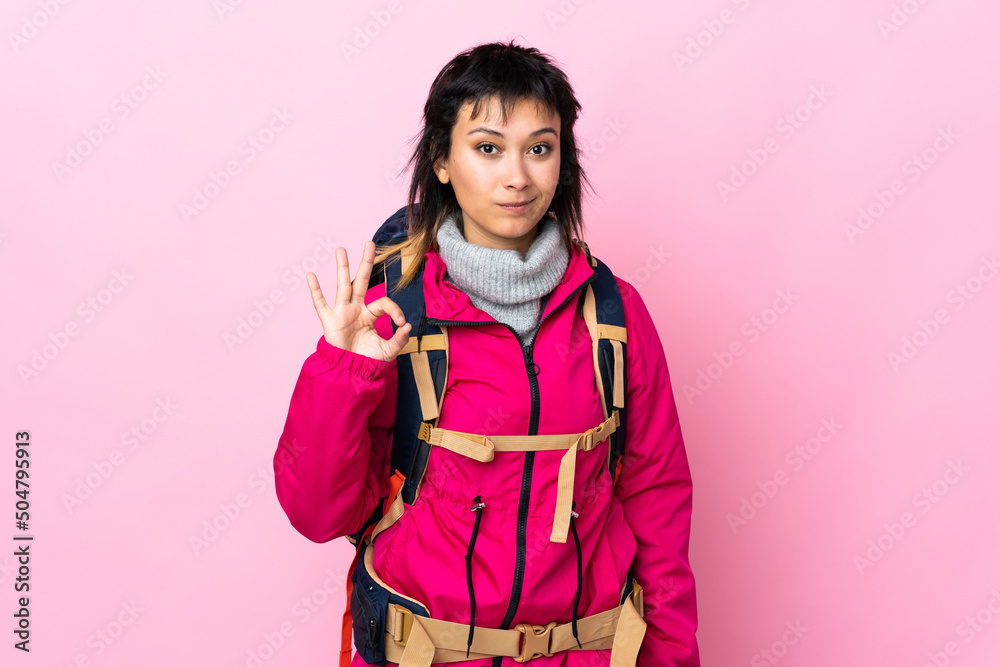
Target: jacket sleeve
{"x":654,"y":488}
{"x":331,"y":463}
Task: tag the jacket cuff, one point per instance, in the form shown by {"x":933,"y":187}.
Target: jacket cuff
{"x":350,"y":362}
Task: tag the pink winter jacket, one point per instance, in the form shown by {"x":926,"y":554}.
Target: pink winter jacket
{"x":332,"y":467}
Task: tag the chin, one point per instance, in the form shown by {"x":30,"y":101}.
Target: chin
{"x":514,"y":231}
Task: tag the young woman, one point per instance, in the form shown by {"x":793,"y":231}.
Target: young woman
{"x":478,"y":567}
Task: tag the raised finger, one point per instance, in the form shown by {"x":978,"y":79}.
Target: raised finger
{"x":319,"y":302}
{"x":343,"y":295}
{"x":364,"y":272}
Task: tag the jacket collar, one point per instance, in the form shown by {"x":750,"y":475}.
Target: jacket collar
{"x":446,"y":301}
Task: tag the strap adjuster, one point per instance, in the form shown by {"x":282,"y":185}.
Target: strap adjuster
{"x":403,"y":624}
{"x":425,"y":432}
{"x":537,"y":640}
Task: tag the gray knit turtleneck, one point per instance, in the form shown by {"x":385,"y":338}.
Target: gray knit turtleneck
{"x":502,"y":283}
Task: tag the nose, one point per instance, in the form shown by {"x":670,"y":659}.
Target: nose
{"x":516,"y":177}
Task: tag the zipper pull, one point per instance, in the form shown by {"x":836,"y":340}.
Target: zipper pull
{"x":529,"y":363}
{"x":370,"y":644}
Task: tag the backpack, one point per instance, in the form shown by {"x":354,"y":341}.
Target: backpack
{"x":426,"y":353}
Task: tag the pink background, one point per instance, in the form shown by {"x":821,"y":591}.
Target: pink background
{"x":842,"y":546}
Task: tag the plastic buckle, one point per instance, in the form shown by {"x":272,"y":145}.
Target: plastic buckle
{"x":425,"y":432}
{"x":637,"y":600}
{"x":537,"y":640}
{"x":404,"y":623}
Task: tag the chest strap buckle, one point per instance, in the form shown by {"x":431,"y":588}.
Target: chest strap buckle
{"x":537,"y":640}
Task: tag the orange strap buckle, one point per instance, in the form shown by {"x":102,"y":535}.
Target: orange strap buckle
{"x":537,"y":640}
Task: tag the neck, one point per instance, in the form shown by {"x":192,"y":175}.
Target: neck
{"x":504,"y":282}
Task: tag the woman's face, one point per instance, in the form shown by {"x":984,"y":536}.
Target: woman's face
{"x":492,"y":165}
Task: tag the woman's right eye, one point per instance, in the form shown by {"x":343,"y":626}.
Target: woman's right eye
{"x":486,"y":146}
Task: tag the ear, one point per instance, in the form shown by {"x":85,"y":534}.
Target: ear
{"x":441,"y":169}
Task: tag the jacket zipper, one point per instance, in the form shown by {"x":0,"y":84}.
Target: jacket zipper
{"x":529,"y":457}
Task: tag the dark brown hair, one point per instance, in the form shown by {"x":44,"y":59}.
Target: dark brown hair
{"x":509,"y":73}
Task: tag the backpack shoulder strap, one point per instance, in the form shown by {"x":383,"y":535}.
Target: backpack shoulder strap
{"x":422,"y":368}
{"x":605,"y":317}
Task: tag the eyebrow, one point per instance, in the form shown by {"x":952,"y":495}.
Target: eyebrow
{"x":495,"y":133}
